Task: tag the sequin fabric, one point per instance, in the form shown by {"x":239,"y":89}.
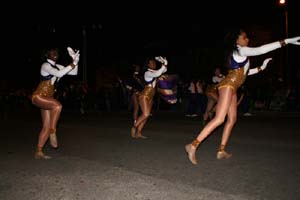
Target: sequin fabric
{"x":148,"y":91}
{"x":234,"y":79}
{"x":45,"y":89}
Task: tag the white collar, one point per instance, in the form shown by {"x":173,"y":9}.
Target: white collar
{"x":51,"y":62}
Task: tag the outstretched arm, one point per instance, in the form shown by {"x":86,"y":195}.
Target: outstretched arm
{"x":47,"y":69}
{"x":154,"y":73}
{"x":260,"y":68}
{"x":255,"y":51}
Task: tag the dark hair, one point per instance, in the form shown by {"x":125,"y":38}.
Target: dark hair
{"x":46,"y":51}
{"x":148,"y":59}
{"x":230,"y":43}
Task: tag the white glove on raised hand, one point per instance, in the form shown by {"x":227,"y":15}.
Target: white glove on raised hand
{"x":294,"y":40}
{"x":72,"y":53}
{"x":76,"y":58}
{"x":265,"y":63}
{"x":162,"y":60}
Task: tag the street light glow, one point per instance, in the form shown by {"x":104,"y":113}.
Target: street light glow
{"x":282,"y":2}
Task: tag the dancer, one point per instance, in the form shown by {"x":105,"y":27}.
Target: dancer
{"x":43,"y":98}
{"x":211,"y":93}
{"x":135,"y":85}
{"x":146,"y":96}
{"x":238,"y":65}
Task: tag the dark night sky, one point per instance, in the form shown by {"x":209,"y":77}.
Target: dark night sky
{"x":128,"y":30}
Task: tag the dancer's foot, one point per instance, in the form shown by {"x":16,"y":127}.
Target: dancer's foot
{"x":133,"y":132}
{"x":41,"y":155}
{"x":223,"y":155}
{"x":140,"y":136}
{"x":53,"y":140}
{"x":191,"y":151}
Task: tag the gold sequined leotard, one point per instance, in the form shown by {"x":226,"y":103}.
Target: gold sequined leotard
{"x":235,"y":77}
{"x":45,"y":89}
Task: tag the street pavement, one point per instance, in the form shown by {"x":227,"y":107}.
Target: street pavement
{"x":97,"y":159}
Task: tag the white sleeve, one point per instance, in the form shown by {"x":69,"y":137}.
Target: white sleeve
{"x":252,"y":71}
{"x":165,"y":69}
{"x":260,"y":68}
{"x":72,"y":72}
{"x":59,"y":66}
{"x":149,"y":75}
{"x":217,"y":79}
{"x":47,"y":69}
{"x":214,"y":79}
{"x":255,"y":51}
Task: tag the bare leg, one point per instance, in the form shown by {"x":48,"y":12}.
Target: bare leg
{"x":50,"y":109}
{"x":135,"y":102}
{"x":146,"y":109}
{"x":211,"y":102}
{"x":43,"y":135}
{"x":139,"y":130}
{"x":224,"y":102}
{"x":231,"y":119}
{"x":141,"y":126}
{"x":54,"y":114}
{"x":213,"y":110}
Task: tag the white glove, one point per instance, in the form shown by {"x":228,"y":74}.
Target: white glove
{"x":72,"y":53}
{"x":294,"y":40}
{"x":76,"y":58}
{"x":265,"y":63}
{"x":162,"y":60}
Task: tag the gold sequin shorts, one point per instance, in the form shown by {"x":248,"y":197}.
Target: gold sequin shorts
{"x":234,"y":79}
{"x":45,"y":89}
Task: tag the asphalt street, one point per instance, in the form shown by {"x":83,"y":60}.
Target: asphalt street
{"x":97,"y":159}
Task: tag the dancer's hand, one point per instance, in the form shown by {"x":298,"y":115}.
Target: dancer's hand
{"x":162,"y":60}
{"x":294,"y":40}
{"x":76,"y":58}
{"x":72,"y":53}
{"x":265,"y":63}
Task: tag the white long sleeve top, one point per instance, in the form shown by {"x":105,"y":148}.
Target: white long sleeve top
{"x":151,"y":74}
{"x":243,"y":53}
{"x":47,"y":69}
